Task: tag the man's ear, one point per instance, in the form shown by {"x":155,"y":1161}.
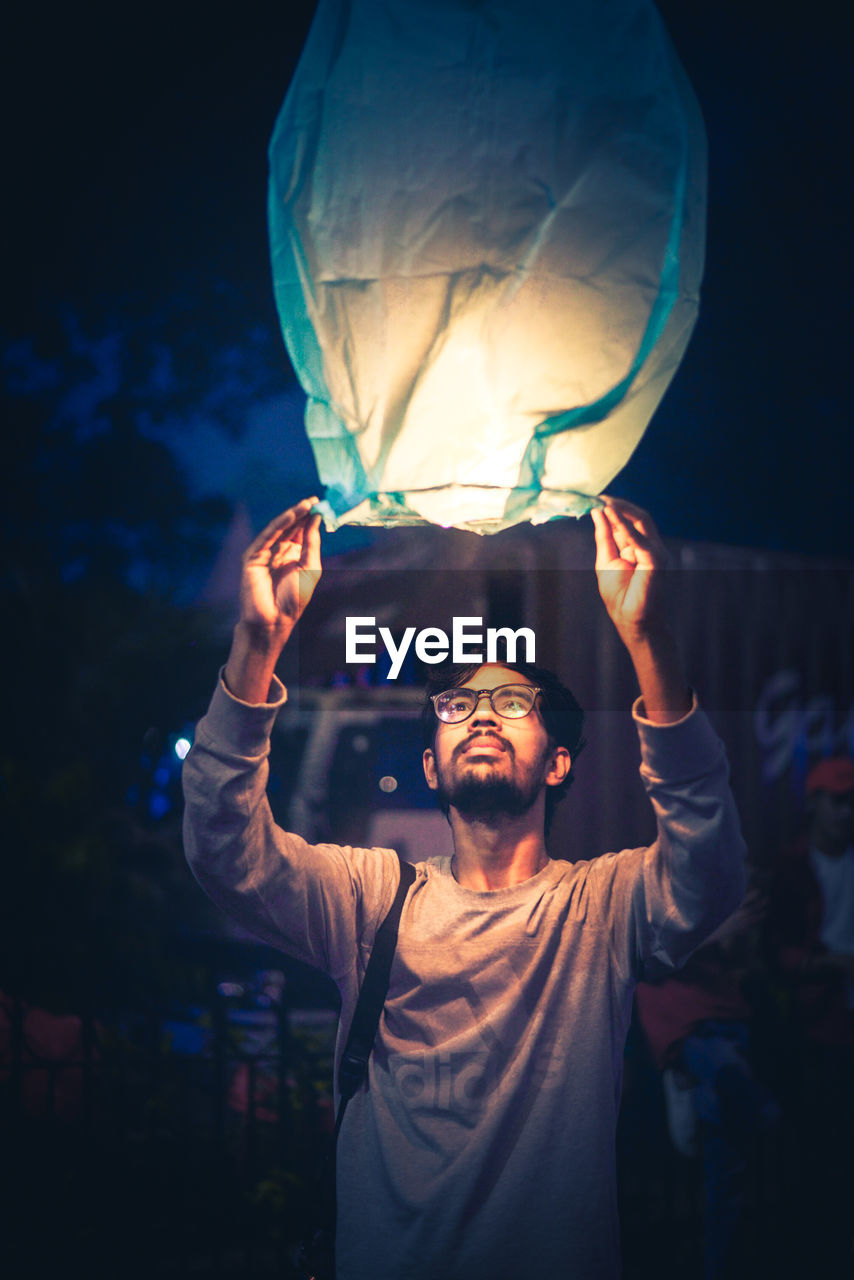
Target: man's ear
{"x":559,"y":767}
{"x":429,"y":762}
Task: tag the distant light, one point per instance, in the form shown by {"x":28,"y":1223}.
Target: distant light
{"x":158,"y":804}
{"x":361,"y":743}
{"x":388,"y":784}
{"x":182,"y":746}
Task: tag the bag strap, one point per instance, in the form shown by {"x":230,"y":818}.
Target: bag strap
{"x":372,"y":995}
{"x":315,"y":1255}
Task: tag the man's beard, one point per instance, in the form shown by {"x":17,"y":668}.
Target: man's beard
{"x":485,"y":795}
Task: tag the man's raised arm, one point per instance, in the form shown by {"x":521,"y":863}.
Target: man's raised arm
{"x":315,"y":902}
{"x":630,"y":559}
{"x":666,"y":899}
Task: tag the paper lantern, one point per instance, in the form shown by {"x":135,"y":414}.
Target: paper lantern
{"x":487,"y":228}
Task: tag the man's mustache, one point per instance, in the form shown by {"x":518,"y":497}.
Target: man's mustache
{"x":462,"y":747}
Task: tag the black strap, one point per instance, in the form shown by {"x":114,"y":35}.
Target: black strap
{"x":374,"y":989}
{"x":315,"y":1256}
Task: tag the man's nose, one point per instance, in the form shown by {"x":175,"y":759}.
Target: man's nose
{"x":483,"y":710}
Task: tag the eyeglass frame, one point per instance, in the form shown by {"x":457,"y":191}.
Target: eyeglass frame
{"x":479,"y":693}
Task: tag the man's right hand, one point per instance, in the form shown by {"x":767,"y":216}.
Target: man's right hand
{"x":281,"y":568}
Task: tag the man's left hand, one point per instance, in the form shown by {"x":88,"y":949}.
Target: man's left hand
{"x":629,"y":558}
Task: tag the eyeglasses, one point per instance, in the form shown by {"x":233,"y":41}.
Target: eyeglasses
{"x":510,"y":701}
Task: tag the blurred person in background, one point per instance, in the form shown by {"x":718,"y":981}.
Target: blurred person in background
{"x":697,"y":1024}
{"x":811,"y":943}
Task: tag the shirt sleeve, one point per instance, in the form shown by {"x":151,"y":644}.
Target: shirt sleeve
{"x":318,"y":903}
{"x":663,"y":901}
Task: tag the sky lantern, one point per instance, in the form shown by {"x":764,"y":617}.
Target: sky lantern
{"x":487,"y":226}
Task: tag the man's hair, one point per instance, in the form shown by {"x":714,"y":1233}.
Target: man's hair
{"x":561,"y":714}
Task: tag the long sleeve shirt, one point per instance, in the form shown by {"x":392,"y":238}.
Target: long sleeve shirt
{"x":482,"y":1144}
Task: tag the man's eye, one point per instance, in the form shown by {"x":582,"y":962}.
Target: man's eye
{"x":454,"y":706}
{"x":515,"y":703}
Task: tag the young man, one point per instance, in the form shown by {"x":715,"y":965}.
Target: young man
{"x":482,"y":1143}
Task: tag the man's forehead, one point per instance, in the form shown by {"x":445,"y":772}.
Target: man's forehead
{"x":491,"y":675}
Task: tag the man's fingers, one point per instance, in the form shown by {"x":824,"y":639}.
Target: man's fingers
{"x":310,"y":558}
{"x":633,"y":543}
{"x":636,"y":533}
{"x":606,"y":546}
{"x":280,"y":527}
{"x":639,"y":516}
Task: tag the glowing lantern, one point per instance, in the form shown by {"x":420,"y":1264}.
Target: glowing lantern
{"x":487,"y":238}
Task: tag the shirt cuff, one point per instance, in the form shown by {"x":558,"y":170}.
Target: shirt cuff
{"x":244,"y":727}
{"x":679,"y":750}
{"x":640,"y":718}
{"x":277,"y":689}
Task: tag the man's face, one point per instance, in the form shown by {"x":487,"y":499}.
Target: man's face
{"x":487,"y":765}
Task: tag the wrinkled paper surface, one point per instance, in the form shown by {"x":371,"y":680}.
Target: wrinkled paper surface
{"x":487,"y":225}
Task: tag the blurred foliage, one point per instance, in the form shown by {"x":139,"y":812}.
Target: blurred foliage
{"x":106,"y":657}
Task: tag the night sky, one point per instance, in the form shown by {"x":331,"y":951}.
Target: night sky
{"x":136,"y":142}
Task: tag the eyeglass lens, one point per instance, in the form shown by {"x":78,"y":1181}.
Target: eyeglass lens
{"x":510,"y":701}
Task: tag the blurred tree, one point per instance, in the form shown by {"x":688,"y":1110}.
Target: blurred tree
{"x":106,"y":658}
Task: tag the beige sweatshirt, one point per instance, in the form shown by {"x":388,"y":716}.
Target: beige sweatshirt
{"x":482,"y":1145}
